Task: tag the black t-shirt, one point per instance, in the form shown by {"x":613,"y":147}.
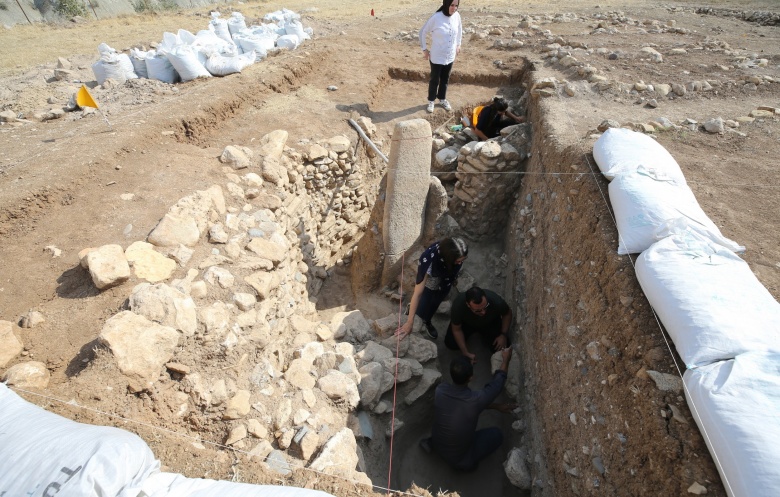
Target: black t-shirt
{"x":489,"y":121}
{"x":463,"y":316}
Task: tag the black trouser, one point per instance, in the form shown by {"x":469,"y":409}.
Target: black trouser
{"x":440,"y":78}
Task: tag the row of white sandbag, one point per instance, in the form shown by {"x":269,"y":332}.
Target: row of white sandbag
{"x":647,"y":190}
{"x":724,"y":323}
{"x":225,"y":48}
{"x":46,"y":454}
{"x":726,"y":327}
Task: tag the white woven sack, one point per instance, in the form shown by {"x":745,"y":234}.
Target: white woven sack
{"x":176,"y":485}
{"x":708,"y":299}
{"x":281,"y":16}
{"x":257,"y":44}
{"x":219,"y":65}
{"x":138,"y":58}
{"x":161,"y":69}
{"x":236,"y":23}
{"x":99,"y":71}
{"x":294,"y":27}
{"x":185,"y":37}
{"x":127,"y":65}
{"x":290,"y":42}
{"x":643,"y":202}
{"x":45,"y":454}
{"x":221,"y":29}
{"x":207,"y":41}
{"x":186,"y":60}
{"x":736,"y":404}
{"x":621,"y":150}
{"x":110,"y":66}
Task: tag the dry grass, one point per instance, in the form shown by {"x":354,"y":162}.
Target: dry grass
{"x":24,"y":46}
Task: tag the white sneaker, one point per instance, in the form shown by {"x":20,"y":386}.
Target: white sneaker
{"x":446,"y":105}
{"x":430,"y":107}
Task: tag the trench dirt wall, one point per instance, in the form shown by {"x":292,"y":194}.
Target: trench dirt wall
{"x":597,"y":424}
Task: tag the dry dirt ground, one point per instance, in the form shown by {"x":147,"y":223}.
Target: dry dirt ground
{"x":61,"y":181}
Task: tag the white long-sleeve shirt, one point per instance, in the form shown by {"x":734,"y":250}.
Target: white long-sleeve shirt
{"x":446,"y":35}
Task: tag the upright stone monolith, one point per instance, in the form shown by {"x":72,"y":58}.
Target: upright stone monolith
{"x":407,"y":189}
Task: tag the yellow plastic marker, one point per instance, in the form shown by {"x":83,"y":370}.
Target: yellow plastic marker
{"x":84,"y":99}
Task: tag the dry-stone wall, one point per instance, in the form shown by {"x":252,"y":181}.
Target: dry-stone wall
{"x":487,"y":176}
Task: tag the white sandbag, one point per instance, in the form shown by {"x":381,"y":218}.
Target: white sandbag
{"x":185,"y":37}
{"x":621,"y":150}
{"x":176,"y":485}
{"x":161,"y":69}
{"x":186,"y":60}
{"x":257,"y":44}
{"x":42,"y":453}
{"x":138,"y":58}
{"x":100,"y":72}
{"x":207,"y":42}
{"x":290,"y":42}
{"x":708,"y":299}
{"x":643,"y":202}
{"x":236,"y":23}
{"x":280,"y":16}
{"x":220,"y":27}
{"x":104,"y":49}
{"x":294,"y":27}
{"x":169,"y":42}
{"x":112,"y":66}
{"x":127,"y":65}
{"x":736,"y":405}
{"x":219,"y":65}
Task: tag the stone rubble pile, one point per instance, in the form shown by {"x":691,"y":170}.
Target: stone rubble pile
{"x":246,"y":292}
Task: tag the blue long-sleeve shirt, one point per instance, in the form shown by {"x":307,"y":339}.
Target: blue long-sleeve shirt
{"x":456,"y":412}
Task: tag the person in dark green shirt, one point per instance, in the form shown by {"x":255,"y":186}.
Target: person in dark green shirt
{"x":482,"y":312}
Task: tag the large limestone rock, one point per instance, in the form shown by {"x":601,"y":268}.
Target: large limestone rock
{"x":435,"y":208}
{"x":108,"y":266}
{"x":28,"y":375}
{"x":165,"y":305}
{"x":267,"y":249}
{"x":407,"y":190}
{"x":338,"y":455}
{"x":175,"y":229}
{"x":429,"y":378}
{"x":238,"y":406}
{"x":374,"y":352}
{"x":236,"y":157}
{"x":263,"y":283}
{"x":140,"y":347}
{"x":350,"y":324}
{"x":370,"y":383}
{"x":421,"y":349}
{"x":148,"y":264}
{"x":516,"y":469}
{"x":340,"y":388}
{"x":272,"y":144}
{"x":10,"y":346}
{"x":299,"y":374}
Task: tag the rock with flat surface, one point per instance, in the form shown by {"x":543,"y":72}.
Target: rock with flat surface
{"x":31,"y":374}
{"x":148,"y":264}
{"x":165,"y":305}
{"x":108,"y":266}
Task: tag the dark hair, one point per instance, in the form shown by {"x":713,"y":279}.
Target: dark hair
{"x":474,"y":295}
{"x":445,"y":7}
{"x":451,"y":250}
{"x":499,"y":104}
{"x":461,"y":370}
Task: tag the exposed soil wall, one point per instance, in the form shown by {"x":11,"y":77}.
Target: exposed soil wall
{"x":598,"y":425}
